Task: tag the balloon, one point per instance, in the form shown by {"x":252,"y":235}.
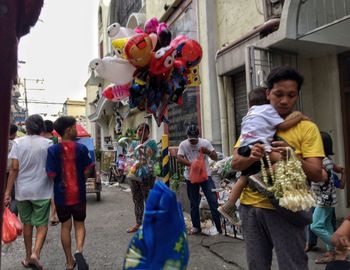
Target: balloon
{"x":119,"y":45}
{"x":115,"y":31}
{"x":164,"y":37}
{"x":139,"y":49}
{"x":113,"y":69}
{"x":162,"y":61}
{"x":176,"y":41}
{"x":116,"y":92}
{"x":151,"y":25}
{"x":189,"y":52}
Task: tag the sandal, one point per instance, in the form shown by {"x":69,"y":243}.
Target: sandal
{"x":194,"y":231}
{"x":71,"y":268}
{"x":134,"y":228}
{"x":25,"y":263}
{"x":54,"y":222}
{"x":324,"y":259}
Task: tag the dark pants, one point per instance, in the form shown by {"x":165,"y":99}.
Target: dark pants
{"x":264,"y":230}
{"x":195,"y":198}
{"x":140,"y":192}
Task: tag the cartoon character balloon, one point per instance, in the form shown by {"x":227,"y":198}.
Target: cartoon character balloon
{"x":139,"y":49}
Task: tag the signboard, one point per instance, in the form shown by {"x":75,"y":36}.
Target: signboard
{"x":19,"y":117}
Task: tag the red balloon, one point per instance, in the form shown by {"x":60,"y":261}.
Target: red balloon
{"x":108,"y":94}
{"x":189,"y":52}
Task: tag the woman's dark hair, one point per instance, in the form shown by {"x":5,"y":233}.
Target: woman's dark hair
{"x":34,"y":124}
{"x":257,"y":96}
{"x":144,"y":125}
{"x":62,"y":123}
{"x":48,"y":126}
{"x":327,"y":143}
{"x":13,"y":129}
{"x":282,"y":74}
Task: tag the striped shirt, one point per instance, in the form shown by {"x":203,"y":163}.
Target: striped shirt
{"x":326,"y":192}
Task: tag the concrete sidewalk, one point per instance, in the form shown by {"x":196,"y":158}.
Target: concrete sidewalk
{"x":232,"y":251}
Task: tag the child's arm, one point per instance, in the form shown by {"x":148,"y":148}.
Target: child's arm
{"x":237,"y":188}
{"x":291,"y":120}
{"x":341,"y":170}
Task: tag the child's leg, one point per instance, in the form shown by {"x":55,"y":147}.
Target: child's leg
{"x":66,"y":228}
{"x":79,"y":227}
{"x":237,"y":188}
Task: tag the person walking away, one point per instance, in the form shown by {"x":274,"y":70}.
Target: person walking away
{"x":13,"y":135}
{"x":265,"y":228}
{"x":33,"y":189}
{"x":326,"y":199}
{"x":258,"y":126}
{"x":69,"y":164}
{"x":47,"y":133}
{"x":145,"y":152}
{"x":189,"y":150}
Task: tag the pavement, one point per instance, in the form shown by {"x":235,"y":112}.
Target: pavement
{"x":106,"y":240}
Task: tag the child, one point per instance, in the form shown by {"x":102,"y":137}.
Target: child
{"x":258,"y":126}
{"x":68,"y":164}
{"x":326,"y":199}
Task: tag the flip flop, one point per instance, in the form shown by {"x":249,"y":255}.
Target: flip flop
{"x":25,"y":263}
{"x":80,"y":260}
{"x":54,"y":222}
{"x":34,"y":262}
{"x":133,"y":229}
{"x":74,"y":265}
{"x":324,"y":259}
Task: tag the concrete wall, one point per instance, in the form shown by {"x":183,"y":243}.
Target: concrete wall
{"x":155,"y":8}
{"x":235,"y":18}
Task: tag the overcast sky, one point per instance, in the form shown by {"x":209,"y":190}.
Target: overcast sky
{"x":58,"y":49}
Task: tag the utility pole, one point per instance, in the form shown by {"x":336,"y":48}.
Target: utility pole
{"x":26,"y":89}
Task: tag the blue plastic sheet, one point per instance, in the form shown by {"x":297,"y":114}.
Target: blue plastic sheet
{"x":161,"y":243}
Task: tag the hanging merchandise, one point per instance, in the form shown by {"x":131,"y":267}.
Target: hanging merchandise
{"x":288,"y":183}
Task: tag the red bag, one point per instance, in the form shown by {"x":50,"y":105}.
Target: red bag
{"x":9,"y":230}
{"x":198,"y":170}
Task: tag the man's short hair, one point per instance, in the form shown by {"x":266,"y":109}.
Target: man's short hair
{"x":62,"y":123}
{"x":257,"y":96}
{"x":34,"y":124}
{"x":13,"y":129}
{"x":282,"y":74}
{"x":48,"y":126}
{"x":192,"y":131}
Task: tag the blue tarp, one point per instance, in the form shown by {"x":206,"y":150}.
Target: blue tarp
{"x":89,"y":143}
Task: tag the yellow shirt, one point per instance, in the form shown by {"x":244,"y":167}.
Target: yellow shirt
{"x":305,"y":138}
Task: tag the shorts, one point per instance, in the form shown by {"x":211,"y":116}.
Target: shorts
{"x":35,"y":212}
{"x":77,"y":211}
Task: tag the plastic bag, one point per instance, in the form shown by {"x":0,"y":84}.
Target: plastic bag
{"x":10,"y":226}
{"x":161,"y":242}
{"x":198,"y":170}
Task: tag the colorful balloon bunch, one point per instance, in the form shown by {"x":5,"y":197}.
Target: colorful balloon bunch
{"x":149,"y":67}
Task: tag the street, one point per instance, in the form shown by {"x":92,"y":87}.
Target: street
{"x":107,"y":241}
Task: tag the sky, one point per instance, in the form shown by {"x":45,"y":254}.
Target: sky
{"x":58,"y":50}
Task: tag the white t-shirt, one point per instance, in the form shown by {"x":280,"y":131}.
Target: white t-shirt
{"x":260,"y":124}
{"x":191,"y":152}
{"x":32,"y":182}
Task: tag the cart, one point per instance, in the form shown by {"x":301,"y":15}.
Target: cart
{"x":93,"y":182}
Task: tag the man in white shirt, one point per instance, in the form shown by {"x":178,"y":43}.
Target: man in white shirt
{"x":189,"y":151}
{"x":33,"y":188}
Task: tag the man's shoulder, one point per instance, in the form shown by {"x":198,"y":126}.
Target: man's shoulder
{"x":183,"y":143}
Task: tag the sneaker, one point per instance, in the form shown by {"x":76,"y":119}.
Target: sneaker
{"x":80,"y":260}
{"x":231,"y":215}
